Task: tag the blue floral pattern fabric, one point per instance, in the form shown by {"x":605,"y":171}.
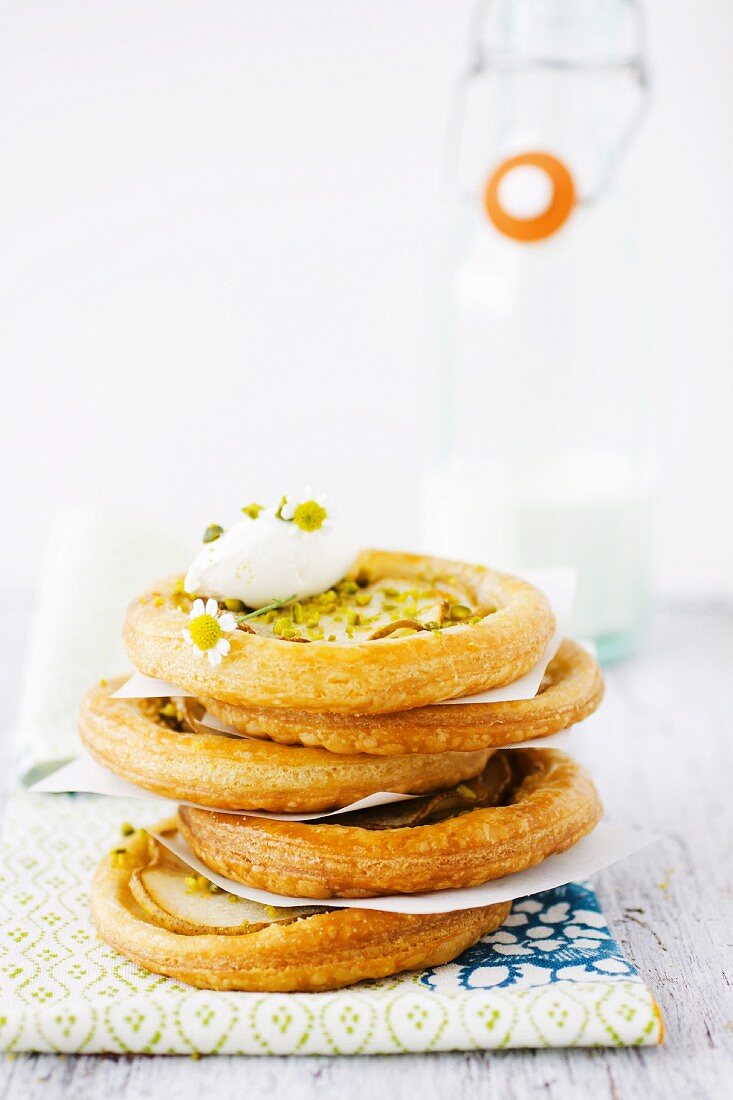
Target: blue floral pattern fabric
{"x":557,"y":936}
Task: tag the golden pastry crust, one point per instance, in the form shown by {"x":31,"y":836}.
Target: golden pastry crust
{"x":368,"y":677}
{"x":235,"y":773}
{"x":571,"y":690}
{"x":552,"y":805}
{"x":328,"y":951}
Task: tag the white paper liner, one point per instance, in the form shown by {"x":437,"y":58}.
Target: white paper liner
{"x":607,"y":844}
{"x":85,"y":776}
{"x":557,"y":584}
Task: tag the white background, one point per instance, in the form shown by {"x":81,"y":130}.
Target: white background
{"x":218,"y":226}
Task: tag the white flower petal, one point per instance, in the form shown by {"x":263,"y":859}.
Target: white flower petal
{"x":187,"y":635}
{"x":222,"y":646}
{"x":197,"y":609}
{"x":227,"y":621}
{"x":212,"y":607}
{"x":214,"y":657}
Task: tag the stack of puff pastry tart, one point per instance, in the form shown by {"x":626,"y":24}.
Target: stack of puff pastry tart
{"x":310,"y":676}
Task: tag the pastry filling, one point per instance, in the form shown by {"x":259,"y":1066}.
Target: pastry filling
{"x":494,"y":787}
{"x":359,"y":610}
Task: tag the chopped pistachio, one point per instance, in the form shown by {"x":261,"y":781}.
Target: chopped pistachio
{"x":353,"y":618}
{"x":466,"y":792}
{"x":362,"y":599}
{"x":198,"y":884}
{"x":127,"y":829}
{"x":475,"y":619}
{"x":297,"y":612}
{"x":213,"y":532}
{"x":332,"y":637}
{"x":234,"y":605}
{"x":103,"y":683}
{"x":253,"y":510}
{"x":349,"y":588}
{"x":460,"y":613}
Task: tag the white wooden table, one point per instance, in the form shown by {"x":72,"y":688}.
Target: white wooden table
{"x":661,"y":752}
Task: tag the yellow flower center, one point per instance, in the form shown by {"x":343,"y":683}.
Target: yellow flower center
{"x":205,"y":631}
{"x":309,"y":516}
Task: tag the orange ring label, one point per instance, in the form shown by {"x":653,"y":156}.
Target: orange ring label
{"x":550,"y":220}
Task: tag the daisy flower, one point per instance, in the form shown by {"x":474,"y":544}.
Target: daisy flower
{"x":310,"y":514}
{"x":206,"y":629}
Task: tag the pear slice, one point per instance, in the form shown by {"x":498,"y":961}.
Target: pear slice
{"x":174,"y":897}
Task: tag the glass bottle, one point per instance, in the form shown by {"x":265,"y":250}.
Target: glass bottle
{"x":543,"y":442}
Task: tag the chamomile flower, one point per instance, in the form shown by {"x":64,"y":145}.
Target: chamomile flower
{"x":309,"y":512}
{"x":206,"y":629}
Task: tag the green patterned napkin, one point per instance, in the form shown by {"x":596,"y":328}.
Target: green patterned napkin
{"x":551,"y":976}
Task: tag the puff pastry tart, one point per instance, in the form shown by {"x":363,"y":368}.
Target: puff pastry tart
{"x":572,"y":688}
{"x":528,"y":804}
{"x":401,"y":631}
{"x":159,"y":744}
{"x":148,"y":905}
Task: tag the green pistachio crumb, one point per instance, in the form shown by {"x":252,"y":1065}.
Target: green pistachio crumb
{"x":127,"y":829}
{"x":213,"y":532}
{"x":459,"y":613}
{"x":234,"y":605}
{"x":362,"y":599}
{"x":466,"y":792}
{"x":253,"y":510}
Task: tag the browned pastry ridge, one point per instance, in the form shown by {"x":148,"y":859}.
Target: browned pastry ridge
{"x":551,"y":803}
{"x":314,"y":953}
{"x":235,"y":773}
{"x":572,"y":689}
{"x":390,"y":673}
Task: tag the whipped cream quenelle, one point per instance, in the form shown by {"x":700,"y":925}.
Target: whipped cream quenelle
{"x":290,"y":551}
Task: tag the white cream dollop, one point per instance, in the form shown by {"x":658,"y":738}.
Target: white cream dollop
{"x":265,"y":559}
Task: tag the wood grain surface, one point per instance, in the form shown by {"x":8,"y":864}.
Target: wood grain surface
{"x":661,"y":751}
